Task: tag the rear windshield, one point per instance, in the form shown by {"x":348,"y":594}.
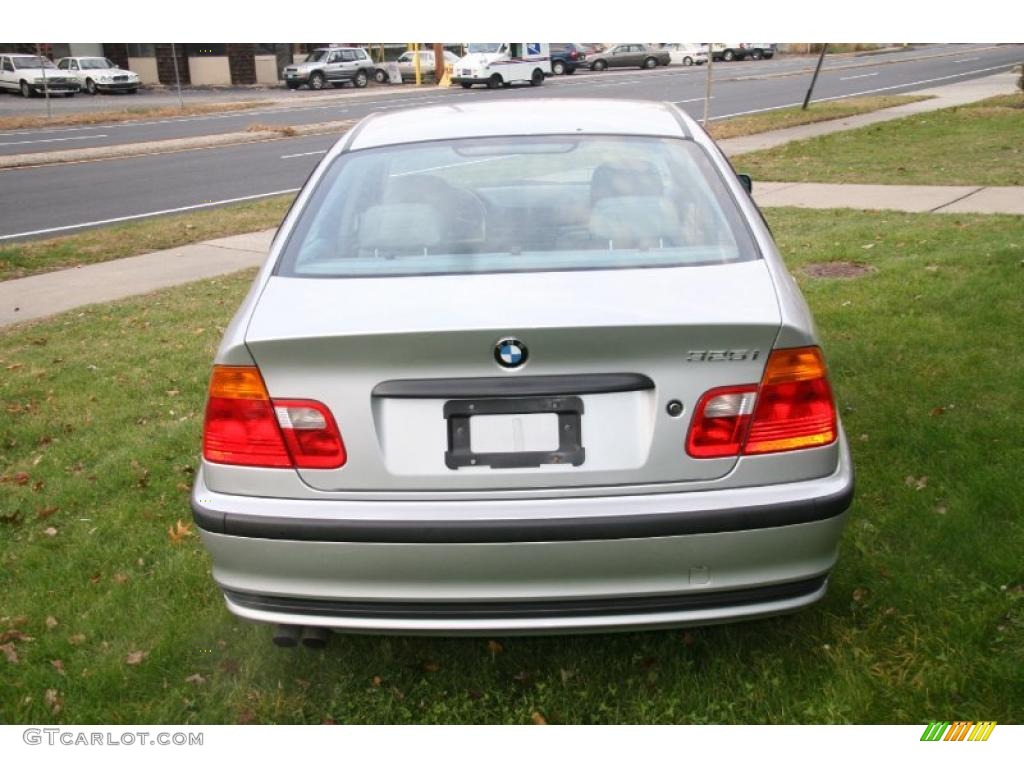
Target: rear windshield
{"x":517,"y":205}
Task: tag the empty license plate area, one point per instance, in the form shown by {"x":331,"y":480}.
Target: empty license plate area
{"x":514,"y":432}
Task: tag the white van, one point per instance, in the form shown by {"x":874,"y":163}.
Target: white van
{"x":498,"y":64}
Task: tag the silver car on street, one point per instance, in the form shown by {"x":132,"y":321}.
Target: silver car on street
{"x":521,"y":367}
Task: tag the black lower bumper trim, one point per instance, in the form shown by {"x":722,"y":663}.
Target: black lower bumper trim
{"x":509,"y":531}
{"x":539,"y":609}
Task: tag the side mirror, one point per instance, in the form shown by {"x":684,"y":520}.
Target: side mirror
{"x":746,"y":182}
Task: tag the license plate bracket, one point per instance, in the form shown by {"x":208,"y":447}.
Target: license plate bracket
{"x":570,"y":449}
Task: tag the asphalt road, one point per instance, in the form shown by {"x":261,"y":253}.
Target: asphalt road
{"x":52,"y":200}
{"x":303,"y":106}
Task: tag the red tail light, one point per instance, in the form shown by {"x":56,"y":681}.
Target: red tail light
{"x":243,"y":426}
{"x":792,"y":408}
{"x":574,"y":55}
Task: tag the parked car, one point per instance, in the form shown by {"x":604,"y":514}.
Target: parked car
{"x":629,"y":55}
{"x":687,"y":54}
{"x":740,"y":51}
{"x":521,"y":367}
{"x":31,"y":75}
{"x":407,"y":66}
{"x":331,"y":66}
{"x":566,"y":58}
{"x":96,"y":73}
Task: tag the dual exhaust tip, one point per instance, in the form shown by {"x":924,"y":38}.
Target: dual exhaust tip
{"x":290,"y":635}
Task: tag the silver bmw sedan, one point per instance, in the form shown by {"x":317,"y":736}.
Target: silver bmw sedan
{"x":521,"y":367}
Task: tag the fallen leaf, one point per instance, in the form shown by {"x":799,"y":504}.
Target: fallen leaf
{"x":917,"y":483}
{"x":567,"y":674}
{"x":173,"y":392}
{"x":179,"y":532}
{"x":197,"y":679}
{"x":495,"y":647}
{"x":53,"y":700}
{"x":19,"y":478}
{"x":868,"y":247}
{"x":58,"y":665}
{"x":858,"y":594}
{"x":120,"y":578}
{"x":10,"y":652}
{"x":538,"y":719}
{"x":14,"y":366}
{"x":51,"y":622}
{"x":135,"y":658}
{"x":938,"y":411}
{"x":76,"y":639}
{"x":376,"y":681}
{"x":940,"y":510}
{"x":15,"y":635}
{"x":932,"y":268}
{"x":431,"y":666}
{"x":46,"y":512}
{"x":51,"y":531}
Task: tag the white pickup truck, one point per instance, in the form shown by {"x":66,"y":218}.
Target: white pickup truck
{"x":29,"y":75}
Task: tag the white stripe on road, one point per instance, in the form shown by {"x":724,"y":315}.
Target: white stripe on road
{"x":687,"y":101}
{"x":858,"y":77}
{"x":964,"y":61}
{"x":134,"y":216}
{"x":305,"y":154}
{"x":45,"y":141}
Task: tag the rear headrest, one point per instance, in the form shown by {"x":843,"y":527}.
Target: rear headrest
{"x":635,"y":220}
{"x":625,"y":177}
{"x":399,"y":227}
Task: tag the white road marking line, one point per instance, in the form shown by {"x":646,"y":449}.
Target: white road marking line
{"x":963,"y":61}
{"x":858,"y":77}
{"x":46,"y":141}
{"x":304,"y":154}
{"x":134,"y":216}
{"x":865,"y":93}
{"x":687,"y":101}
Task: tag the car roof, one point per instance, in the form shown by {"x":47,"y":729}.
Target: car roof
{"x":521,"y":117}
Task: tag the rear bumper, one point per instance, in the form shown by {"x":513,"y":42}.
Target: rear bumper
{"x":605,"y":563}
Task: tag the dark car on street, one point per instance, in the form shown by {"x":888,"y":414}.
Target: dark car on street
{"x":566,"y":58}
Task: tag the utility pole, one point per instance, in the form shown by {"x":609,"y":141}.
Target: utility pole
{"x":177,"y":78}
{"x":46,"y":85}
{"x":416,"y":63}
{"x":707,"y":86}
{"x":814,"y":79}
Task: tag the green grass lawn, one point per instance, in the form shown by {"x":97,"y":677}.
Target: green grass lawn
{"x":103,"y":617}
{"x":31,"y":257}
{"x":978,"y":143}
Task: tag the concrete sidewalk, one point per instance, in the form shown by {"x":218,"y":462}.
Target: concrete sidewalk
{"x":30,"y":298}
{"x":891,"y":197}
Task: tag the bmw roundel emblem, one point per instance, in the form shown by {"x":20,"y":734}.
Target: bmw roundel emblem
{"x":510,"y":353}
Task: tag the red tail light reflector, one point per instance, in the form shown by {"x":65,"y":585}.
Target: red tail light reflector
{"x":792,"y":408}
{"x":243,"y":426}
